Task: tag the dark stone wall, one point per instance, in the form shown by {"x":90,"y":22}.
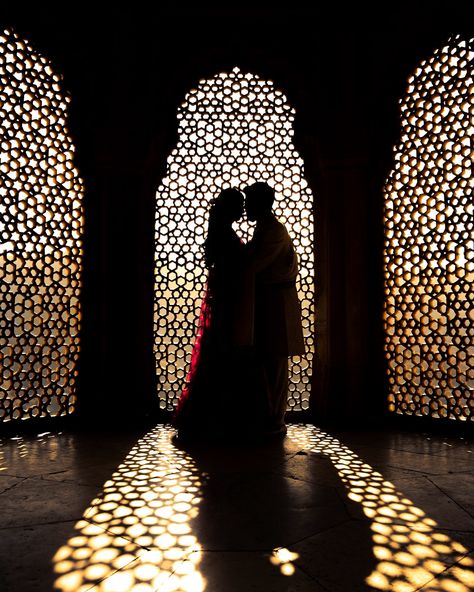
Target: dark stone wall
{"x":342,"y":70}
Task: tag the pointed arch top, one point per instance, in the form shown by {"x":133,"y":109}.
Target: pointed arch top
{"x":233,"y":129}
{"x":40,"y":249}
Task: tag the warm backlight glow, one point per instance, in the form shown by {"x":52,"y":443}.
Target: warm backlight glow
{"x":40,"y":238}
{"x":234,"y":129}
{"x":137,"y":536}
{"x":410,"y":550}
{"x":284,"y":558}
{"x":429,"y":249}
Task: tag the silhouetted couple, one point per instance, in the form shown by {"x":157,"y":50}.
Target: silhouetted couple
{"x":250,"y":323}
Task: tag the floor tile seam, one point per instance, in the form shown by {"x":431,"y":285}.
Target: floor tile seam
{"x":291,"y":456}
{"x":36,"y":524}
{"x":366,"y":519}
{"x":339,"y":485}
{"x":282,"y":463}
{"x":444,"y":530}
{"x":405,"y":546}
{"x":468,"y":472}
{"x":116,"y":534}
{"x":343,"y":496}
{"x":112,"y":574}
{"x":340,"y":490}
{"x":451,"y":498}
{"x":442,"y":452}
{"x":363,"y":450}
{"x":206,"y":550}
{"x":68,"y":481}
{"x":148,"y":549}
{"x":172,"y":572}
{"x":139,"y":558}
{"x":452,"y":451}
{"x":416,"y":473}
{"x":101,"y":487}
{"x":311,"y":577}
{"x":319,"y":532}
{"x":453,"y":530}
{"x":71,"y":482}
{"x":441,"y":573}
{"x":203,"y":549}
{"x":15,"y":476}
{"x":379,"y":468}
{"x":402,"y":521}
{"x":22,"y":480}
{"x":35,"y":476}
{"x":360,"y":449}
{"x":42,"y":476}
{"x":265,"y":551}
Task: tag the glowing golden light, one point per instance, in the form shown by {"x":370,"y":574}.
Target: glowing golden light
{"x":406,"y":541}
{"x":284,"y":558}
{"x":234,"y":129}
{"x":429,"y":250}
{"x":136,"y":535}
{"x":40,"y":238}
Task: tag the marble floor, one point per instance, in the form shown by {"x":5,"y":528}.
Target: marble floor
{"x":319,"y":511}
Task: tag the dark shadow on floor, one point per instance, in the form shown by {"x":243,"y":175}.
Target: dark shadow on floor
{"x":257,"y":522}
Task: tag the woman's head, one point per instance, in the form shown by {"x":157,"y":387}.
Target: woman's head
{"x":229,"y":205}
{"x":226,"y":208}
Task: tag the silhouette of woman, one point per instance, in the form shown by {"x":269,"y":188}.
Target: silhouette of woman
{"x":215,"y":402}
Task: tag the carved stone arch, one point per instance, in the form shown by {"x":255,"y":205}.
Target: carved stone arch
{"x":429,"y":248}
{"x":234,"y":128}
{"x":40,"y":245}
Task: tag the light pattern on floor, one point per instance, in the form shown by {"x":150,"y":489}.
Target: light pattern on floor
{"x":137,"y":535}
{"x":410,"y":550}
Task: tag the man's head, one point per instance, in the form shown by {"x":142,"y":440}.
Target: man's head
{"x":259,"y":199}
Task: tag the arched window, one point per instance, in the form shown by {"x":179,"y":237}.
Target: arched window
{"x":40,"y":238}
{"x":234,"y":129}
{"x":429,"y":250}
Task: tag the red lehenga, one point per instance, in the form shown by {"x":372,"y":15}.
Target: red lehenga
{"x":222,"y":394}
{"x":202,"y":334}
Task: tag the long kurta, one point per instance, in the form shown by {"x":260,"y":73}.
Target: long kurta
{"x":271,"y":314}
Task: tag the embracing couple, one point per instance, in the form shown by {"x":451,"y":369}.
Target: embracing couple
{"x":250,"y":323}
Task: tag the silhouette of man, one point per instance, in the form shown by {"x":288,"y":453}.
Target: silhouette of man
{"x":276,"y":315}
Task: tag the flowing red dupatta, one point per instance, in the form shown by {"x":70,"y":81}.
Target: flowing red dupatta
{"x":213,"y":336}
{"x":204,"y":323}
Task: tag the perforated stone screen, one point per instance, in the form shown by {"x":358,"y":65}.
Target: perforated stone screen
{"x":429,"y":250}
{"x":234,"y":129}
{"x":40,"y":238}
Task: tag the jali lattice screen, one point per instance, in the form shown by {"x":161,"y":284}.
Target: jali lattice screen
{"x":234,"y":129}
{"x":429,"y":251}
{"x":40,"y":233}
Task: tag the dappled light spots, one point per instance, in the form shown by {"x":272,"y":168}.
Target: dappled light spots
{"x":283,"y":558}
{"x":137,"y":535}
{"x":409,"y":548}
